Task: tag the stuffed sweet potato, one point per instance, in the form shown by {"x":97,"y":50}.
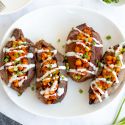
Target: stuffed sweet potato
{"x":17,"y":62}
{"x":83,"y":49}
{"x":51,"y":83}
{"x":110,"y":75}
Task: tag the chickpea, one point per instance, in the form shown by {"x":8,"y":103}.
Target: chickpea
{"x":104,"y":71}
{"x":78,"y":62}
{"x":77,"y":49}
{"x":109,"y":58}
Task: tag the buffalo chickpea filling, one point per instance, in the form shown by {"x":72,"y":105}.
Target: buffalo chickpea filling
{"x":49,"y":82}
{"x":83,"y":52}
{"x":110,"y":68}
{"x":16,"y":62}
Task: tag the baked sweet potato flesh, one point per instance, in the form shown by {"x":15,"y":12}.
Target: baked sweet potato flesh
{"x":51,"y":83}
{"x":83,"y":50}
{"x":110,"y":74}
{"x":17,"y":62}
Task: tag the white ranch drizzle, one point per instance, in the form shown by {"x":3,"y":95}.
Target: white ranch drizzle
{"x":50,"y":57}
{"x":27,"y":67}
{"x":29,"y":55}
{"x":15,"y":77}
{"x":117,"y":53}
{"x":47,"y":92}
{"x":78,"y":55}
{"x":60,"y":91}
{"x":50,"y":72}
{"x":42,"y":50}
{"x":81,"y":71}
{"x":10,"y":64}
{"x":54,"y":65}
{"x":78,"y":42}
{"x":98,"y":44}
{"x":13,"y":48}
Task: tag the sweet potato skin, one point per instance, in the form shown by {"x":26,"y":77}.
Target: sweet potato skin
{"x":115,"y":86}
{"x":96,"y":52}
{"x":62,"y":83}
{"x":18,"y":35}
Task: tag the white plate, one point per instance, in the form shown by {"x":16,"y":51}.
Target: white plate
{"x":120,"y":3}
{"x":52,"y":23}
{"x":14,"y":5}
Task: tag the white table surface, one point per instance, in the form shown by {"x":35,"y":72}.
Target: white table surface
{"x":104,"y":116}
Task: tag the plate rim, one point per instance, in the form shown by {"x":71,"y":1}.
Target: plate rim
{"x":16,"y":10}
{"x":50,"y":7}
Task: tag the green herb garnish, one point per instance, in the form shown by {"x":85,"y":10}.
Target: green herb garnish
{"x":122,"y":121}
{"x":85,"y":55}
{"x":19,"y":73}
{"x":6,"y":59}
{"x":32,"y":88}
{"x":98,"y":63}
{"x":77,"y":77}
{"x":111,"y":1}
{"x":50,"y":66}
{"x":58,"y":40}
{"x":19,"y":94}
{"x":65,"y":59}
{"x":80,"y":91}
{"x":86,"y":39}
{"x":62,"y":76}
{"x":63,"y":46}
{"x":16,"y":55}
{"x":108,"y":37}
{"x":93,"y":43}
{"x":15,"y":68}
{"x":67,"y":66}
{"x":123,"y":50}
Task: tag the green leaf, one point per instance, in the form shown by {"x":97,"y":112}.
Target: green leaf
{"x":123,"y":119}
{"x":111,"y":1}
{"x":114,"y":122}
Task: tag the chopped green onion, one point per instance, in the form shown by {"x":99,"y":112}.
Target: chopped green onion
{"x":32,"y":88}
{"x":6,"y":59}
{"x":19,"y":73}
{"x":86,"y":39}
{"x":85,"y":55}
{"x":19,"y":94}
{"x":67,"y":66}
{"x":63,"y":46}
{"x":123,"y":50}
{"x":62,"y":76}
{"x":77,"y":77}
{"x":80,"y":91}
{"x":58,"y":40}
{"x":93,"y":43}
{"x":16,"y":55}
{"x":15,"y":68}
{"x":108,"y":37}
